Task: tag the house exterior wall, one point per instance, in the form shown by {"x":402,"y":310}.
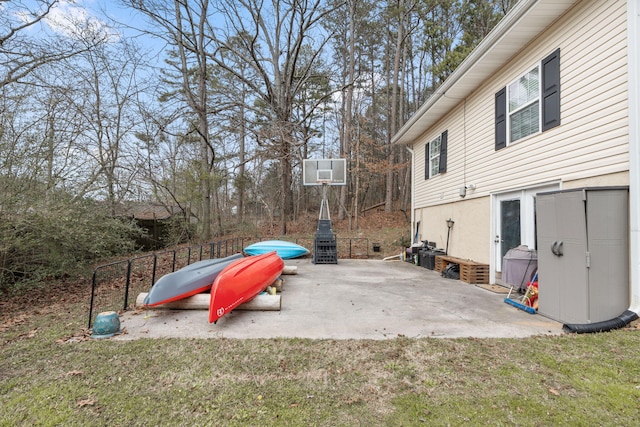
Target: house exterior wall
{"x":590,"y":147}
{"x":469,"y":235}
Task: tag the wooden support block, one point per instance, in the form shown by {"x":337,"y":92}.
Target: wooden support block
{"x":290,"y":269}
{"x":441,"y":264}
{"x":262,"y":302}
{"x":470,"y":271}
{"x":478,"y":273}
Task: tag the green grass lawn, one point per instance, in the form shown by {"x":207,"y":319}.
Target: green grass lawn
{"x":48,"y":379}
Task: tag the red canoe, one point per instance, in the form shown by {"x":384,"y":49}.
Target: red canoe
{"x":241,"y":281}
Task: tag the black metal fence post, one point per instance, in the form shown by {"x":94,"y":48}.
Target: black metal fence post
{"x":153,"y":269}
{"x":126,"y":288}
{"x":93,"y":292}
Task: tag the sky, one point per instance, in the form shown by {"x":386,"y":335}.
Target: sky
{"x":106,"y":16}
{"x":114,"y":19}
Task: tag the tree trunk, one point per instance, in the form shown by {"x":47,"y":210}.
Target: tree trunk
{"x":348,"y":131}
{"x":241,"y":169}
{"x":287,"y":197}
{"x":394,"y":107}
{"x":198,"y":103}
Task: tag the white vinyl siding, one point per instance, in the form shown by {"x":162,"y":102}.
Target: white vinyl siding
{"x":592,"y":139}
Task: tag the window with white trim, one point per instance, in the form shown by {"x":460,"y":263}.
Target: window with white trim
{"x":434,"y":156}
{"x":530,"y":104}
{"x":524,"y":105}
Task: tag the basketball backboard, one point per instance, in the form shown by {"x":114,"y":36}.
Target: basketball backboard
{"x":324,"y":171}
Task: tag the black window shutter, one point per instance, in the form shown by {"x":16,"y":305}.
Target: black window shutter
{"x":551,"y":91}
{"x":426,"y":161}
{"x":443,"y":152}
{"x":501,"y":118}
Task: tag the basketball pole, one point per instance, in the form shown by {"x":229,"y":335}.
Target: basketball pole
{"x":325,"y":172}
{"x":324,"y":205}
{"x":325,"y":245}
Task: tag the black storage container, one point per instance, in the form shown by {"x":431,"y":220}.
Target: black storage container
{"x":325,"y":249}
{"x":430,"y":258}
{"x":423,"y":254}
{"x":325,"y":245}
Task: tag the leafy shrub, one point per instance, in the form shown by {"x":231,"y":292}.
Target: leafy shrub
{"x":61,"y":239}
{"x":177,"y":231}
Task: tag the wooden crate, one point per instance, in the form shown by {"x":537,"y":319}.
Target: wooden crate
{"x":441,"y":262}
{"x":474,"y":273}
{"x":470,"y":271}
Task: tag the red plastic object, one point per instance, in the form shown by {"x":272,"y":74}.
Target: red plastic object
{"x":241,"y":281}
{"x":531,"y":296}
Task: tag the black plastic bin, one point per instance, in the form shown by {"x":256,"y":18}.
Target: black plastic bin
{"x":430,"y":258}
{"x":325,"y":249}
{"x":423,"y":255}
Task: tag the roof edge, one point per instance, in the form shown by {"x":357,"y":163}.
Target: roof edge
{"x":500,"y":30}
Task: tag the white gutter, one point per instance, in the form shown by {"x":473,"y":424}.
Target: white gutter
{"x":413,"y":190}
{"x":633,"y":49}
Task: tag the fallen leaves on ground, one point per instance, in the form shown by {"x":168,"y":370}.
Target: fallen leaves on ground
{"x":83,"y":335}
{"x":9,"y":323}
{"x":32,"y":333}
{"x":85,"y":402}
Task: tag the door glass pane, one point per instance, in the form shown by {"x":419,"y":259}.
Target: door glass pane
{"x":509,"y":225}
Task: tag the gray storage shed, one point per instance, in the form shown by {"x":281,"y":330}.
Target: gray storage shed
{"x":583,"y":253}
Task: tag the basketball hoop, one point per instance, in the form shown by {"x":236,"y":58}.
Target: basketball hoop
{"x":324,"y":172}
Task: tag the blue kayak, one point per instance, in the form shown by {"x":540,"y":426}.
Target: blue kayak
{"x":284,"y":249}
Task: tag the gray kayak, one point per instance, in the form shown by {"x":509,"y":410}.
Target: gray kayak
{"x":190,"y":280}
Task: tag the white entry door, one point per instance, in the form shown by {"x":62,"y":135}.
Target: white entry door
{"x":514,"y":221}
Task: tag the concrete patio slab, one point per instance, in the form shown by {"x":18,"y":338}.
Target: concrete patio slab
{"x":356,"y":299}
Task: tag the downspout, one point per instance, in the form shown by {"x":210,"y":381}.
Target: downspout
{"x":633,"y":73}
{"x":633,"y":36}
{"x":413,"y":189}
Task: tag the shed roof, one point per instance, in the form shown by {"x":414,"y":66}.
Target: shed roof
{"x":147,"y":210}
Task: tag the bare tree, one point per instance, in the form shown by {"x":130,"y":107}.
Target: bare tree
{"x":22,"y":52}
{"x":283,"y":29}
{"x":101,"y":92}
{"x":184,"y":26}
